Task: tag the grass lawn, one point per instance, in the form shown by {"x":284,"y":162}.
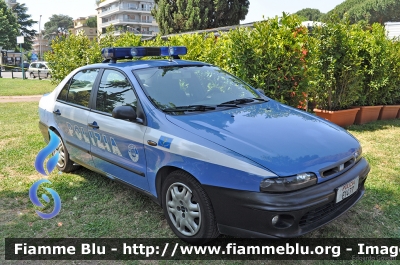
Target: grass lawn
{"x":27,"y":87}
{"x":94,"y":206}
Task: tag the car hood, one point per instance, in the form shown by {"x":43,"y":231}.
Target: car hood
{"x":282,"y":139}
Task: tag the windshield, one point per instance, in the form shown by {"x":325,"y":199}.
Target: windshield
{"x":171,"y":87}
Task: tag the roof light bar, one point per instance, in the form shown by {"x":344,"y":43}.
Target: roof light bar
{"x":173,"y":51}
{"x":145,"y":51}
{"x":114,"y":54}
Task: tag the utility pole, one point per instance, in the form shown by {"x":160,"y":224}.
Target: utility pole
{"x":20,"y":40}
{"x":40,"y":39}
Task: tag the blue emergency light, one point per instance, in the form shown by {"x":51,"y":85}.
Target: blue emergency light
{"x":119,"y":53}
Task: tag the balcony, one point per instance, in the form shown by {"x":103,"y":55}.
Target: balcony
{"x":11,"y":3}
{"x":118,"y":21}
{"x":148,"y":9}
{"x":143,"y":33}
{"x":151,"y":33}
{"x":126,"y":9}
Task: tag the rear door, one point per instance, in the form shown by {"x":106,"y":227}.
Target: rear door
{"x":117,"y":145}
{"x":71,"y":113}
{"x":42,"y":70}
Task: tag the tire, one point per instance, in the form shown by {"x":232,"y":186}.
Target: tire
{"x":32,"y":75}
{"x":188,"y":209}
{"x":64,"y":164}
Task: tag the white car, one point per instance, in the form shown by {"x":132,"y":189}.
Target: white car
{"x":39,"y":69}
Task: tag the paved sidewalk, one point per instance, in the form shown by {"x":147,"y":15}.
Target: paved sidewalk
{"x":18,"y":75}
{"x":20,"y":98}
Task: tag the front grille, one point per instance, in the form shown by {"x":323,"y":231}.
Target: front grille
{"x":338,"y":169}
{"x":319,"y":213}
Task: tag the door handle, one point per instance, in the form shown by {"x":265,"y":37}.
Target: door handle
{"x":94,"y":125}
{"x":57,"y":112}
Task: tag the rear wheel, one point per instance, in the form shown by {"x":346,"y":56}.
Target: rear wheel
{"x":188,"y":209}
{"x":64,"y":164}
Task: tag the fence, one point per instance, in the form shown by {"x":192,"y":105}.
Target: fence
{"x":13,"y":70}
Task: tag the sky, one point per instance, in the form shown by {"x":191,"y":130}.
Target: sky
{"x":84,"y":8}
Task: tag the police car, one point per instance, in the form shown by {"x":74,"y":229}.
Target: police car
{"x":219,"y":156}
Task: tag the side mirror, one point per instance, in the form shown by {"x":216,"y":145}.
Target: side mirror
{"x":261,"y":91}
{"x":124,"y":113}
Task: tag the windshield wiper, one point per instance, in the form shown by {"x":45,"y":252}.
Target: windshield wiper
{"x":262,"y":99}
{"x":238,"y":101}
{"x":190,"y":108}
{"x":241,"y":101}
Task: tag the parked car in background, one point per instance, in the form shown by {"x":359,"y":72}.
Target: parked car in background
{"x":39,"y":69}
{"x":25,"y":65}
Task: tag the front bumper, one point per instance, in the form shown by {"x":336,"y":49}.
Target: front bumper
{"x":250,"y":214}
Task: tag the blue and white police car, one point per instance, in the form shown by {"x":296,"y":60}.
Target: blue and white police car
{"x":218,"y":155}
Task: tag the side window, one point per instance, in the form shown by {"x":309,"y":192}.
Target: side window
{"x":64,"y":92}
{"x":115,"y":90}
{"x":78,"y":89}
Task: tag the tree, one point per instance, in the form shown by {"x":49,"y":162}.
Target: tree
{"x":58,"y":24}
{"x":92,"y":22}
{"x":228,"y":12}
{"x":8,"y":27}
{"x":371,"y":11}
{"x":186,"y":15}
{"x":309,"y":14}
{"x":25,"y":25}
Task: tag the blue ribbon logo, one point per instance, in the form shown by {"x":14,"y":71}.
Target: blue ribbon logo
{"x":35,"y":200}
{"x":50,"y":148}
{"x":51,"y":164}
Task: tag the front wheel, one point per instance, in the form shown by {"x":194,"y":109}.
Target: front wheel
{"x":188,"y":209}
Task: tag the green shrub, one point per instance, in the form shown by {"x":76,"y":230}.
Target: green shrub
{"x":376,"y":67}
{"x":273,"y":57}
{"x":393,"y":93}
{"x":335,"y":64}
{"x":69,"y":53}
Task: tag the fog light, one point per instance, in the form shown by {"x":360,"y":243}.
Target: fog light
{"x":275,"y":220}
{"x":282,"y":221}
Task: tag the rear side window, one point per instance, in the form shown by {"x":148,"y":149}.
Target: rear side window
{"x":114,"y":91}
{"x":78,"y":89}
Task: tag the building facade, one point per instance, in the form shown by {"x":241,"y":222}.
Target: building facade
{"x":127,"y":15}
{"x":392,"y":29}
{"x":40,"y":45}
{"x":81,"y":26}
{"x":11,"y":3}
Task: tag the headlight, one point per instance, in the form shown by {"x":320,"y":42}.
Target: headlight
{"x":286,"y":184}
{"x":358,"y":154}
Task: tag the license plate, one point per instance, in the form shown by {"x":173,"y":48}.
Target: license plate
{"x":347,"y":189}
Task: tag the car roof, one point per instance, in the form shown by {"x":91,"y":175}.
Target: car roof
{"x":39,"y":62}
{"x":140,"y":64}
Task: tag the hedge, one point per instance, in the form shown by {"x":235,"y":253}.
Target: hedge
{"x":335,"y":66}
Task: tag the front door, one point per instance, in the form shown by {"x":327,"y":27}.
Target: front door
{"x":117,"y":145}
